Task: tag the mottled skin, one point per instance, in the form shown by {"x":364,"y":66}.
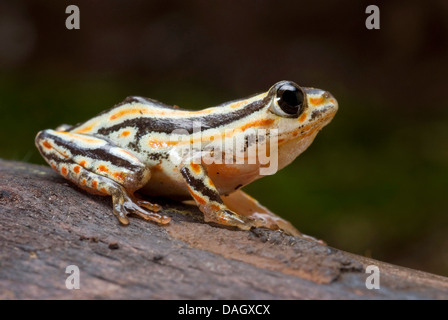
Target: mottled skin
{"x":139,"y":145}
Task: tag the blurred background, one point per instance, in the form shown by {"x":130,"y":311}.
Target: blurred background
{"x":375,"y":180}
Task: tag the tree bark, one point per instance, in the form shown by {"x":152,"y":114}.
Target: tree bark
{"x":47,"y":224}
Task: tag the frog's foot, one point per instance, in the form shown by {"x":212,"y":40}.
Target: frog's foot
{"x":123,"y":204}
{"x":274,"y":222}
{"x":224,"y":216}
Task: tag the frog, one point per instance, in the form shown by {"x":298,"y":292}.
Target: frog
{"x":138,"y":147}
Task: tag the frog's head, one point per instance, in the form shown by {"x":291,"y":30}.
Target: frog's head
{"x":300,"y":113}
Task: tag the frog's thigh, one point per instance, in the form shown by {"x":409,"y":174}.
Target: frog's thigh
{"x":243,"y":204}
{"x":207,"y":197}
{"x":99,"y":167}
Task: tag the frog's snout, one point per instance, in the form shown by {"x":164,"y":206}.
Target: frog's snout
{"x":321,"y":101}
{"x":330,"y":101}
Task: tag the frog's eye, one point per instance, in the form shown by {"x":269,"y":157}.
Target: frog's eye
{"x":288,"y":101}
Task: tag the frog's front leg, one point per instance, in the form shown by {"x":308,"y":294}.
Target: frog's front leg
{"x":100,"y":167}
{"x":207,"y":197}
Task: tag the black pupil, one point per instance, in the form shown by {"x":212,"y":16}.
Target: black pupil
{"x":290,"y":99}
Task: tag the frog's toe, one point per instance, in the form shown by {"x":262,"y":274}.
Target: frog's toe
{"x":228,"y":218}
{"x":123,"y":219}
{"x":124,"y":205}
{"x":276,"y":223}
{"x":149,"y":205}
{"x":262,"y":220}
{"x":147,"y":215}
{"x":119,"y":210}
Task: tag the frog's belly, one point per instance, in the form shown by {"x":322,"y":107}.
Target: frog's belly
{"x":229,"y":178}
{"x":168,"y":182}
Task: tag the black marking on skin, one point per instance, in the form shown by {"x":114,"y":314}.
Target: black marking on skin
{"x":156,"y":156}
{"x":316,"y":114}
{"x":249,"y":140}
{"x":199,"y":186}
{"x":50,"y":156}
{"x":133,"y":146}
{"x":168,"y":125}
{"x":252,"y":139}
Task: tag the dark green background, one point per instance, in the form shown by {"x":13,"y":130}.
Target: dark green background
{"x":375,"y":180}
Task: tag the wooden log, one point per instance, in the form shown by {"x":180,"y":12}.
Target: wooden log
{"x":47,"y":224}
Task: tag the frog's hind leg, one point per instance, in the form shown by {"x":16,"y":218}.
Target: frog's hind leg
{"x":123,"y":202}
{"x":100,"y":167}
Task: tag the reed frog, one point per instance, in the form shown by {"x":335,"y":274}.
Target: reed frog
{"x":139,"y":145}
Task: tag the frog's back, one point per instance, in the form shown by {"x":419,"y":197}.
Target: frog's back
{"x":148,"y":115}
{"x":129,"y":110}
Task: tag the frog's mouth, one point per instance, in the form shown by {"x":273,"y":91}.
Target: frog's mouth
{"x":321,"y":108}
{"x":317,"y":117}
{"x":304,"y":132}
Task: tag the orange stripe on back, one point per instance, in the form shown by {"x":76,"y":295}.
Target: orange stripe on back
{"x":85,"y":129}
{"x":156,"y":112}
{"x":81,"y":137}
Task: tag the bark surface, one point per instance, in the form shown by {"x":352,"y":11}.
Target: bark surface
{"x":47,"y":224}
